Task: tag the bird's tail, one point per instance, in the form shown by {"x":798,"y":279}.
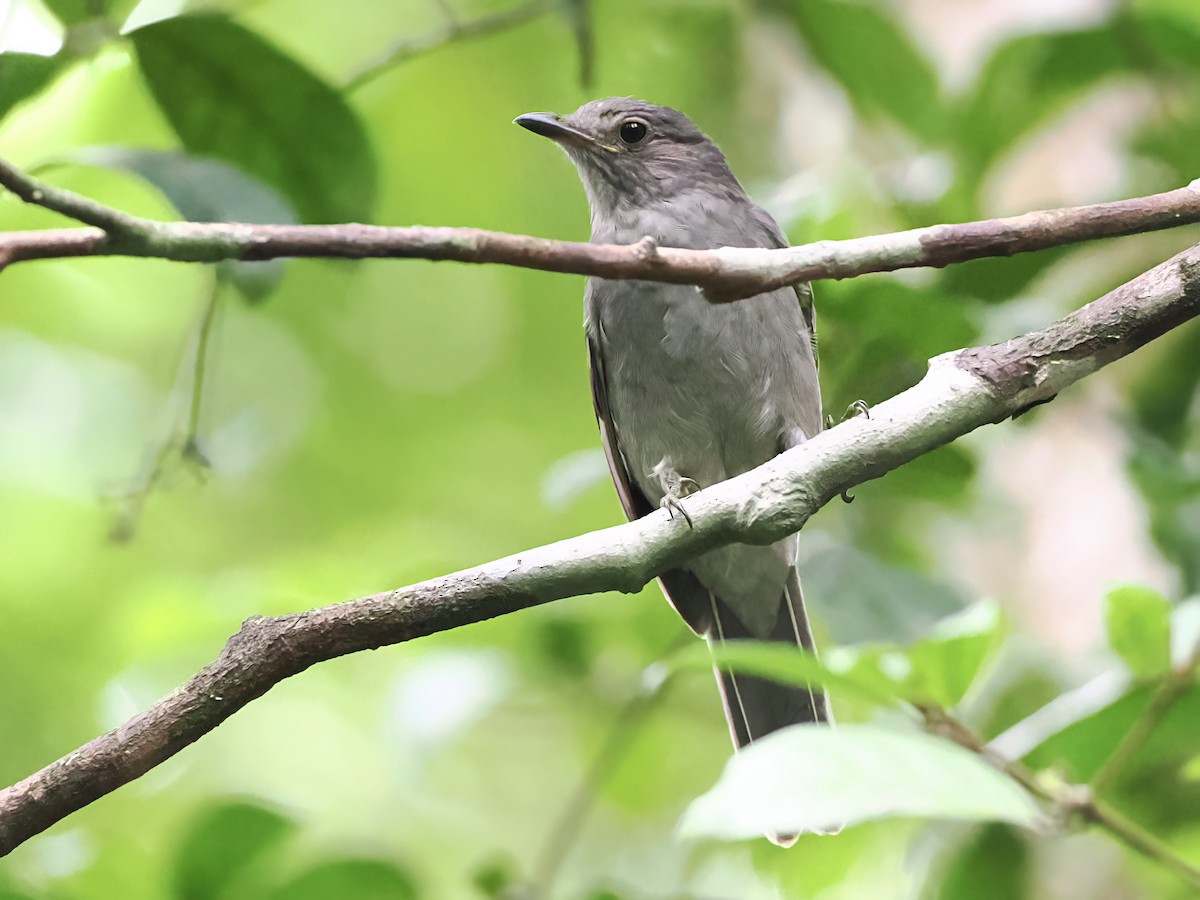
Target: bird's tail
{"x":757,"y":706}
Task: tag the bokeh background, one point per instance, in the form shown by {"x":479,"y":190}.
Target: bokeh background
{"x":362,"y":426}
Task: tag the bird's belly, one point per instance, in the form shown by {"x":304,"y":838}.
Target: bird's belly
{"x":689,"y":387}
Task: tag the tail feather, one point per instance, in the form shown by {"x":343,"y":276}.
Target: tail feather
{"x":756,"y":706}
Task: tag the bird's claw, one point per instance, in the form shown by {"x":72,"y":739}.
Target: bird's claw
{"x":671,"y":499}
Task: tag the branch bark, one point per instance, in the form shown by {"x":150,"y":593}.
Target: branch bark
{"x":961,"y":392}
{"x":725,"y":274}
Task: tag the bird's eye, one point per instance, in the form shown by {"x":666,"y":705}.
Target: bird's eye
{"x":633,"y":130}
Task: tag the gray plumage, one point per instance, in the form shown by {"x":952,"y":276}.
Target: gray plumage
{"x":690,"y":390}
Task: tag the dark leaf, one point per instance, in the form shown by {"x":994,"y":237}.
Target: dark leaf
{"x":22,"y":75}
{"x":222,"y":844}
{"x":206,"y":190}
{"x":230,"y":94}
{"x":350,"y":879}
{"x":994,"y":865}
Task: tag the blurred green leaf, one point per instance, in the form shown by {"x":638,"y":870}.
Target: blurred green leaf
{"x":995,"y":864}
{"x":1027,"y":80}
{"x":868,"y":51}
{"x":1138,"y":621}
{"x":1080,"y":748}
{"x":72,"y":12}
{"x":860,"y":598}
{"x":22,"y":75}
{"x":351,"y":879}
{"x":789,"y":665}
{"x":229,"y":93}
{"x":808,"y":778}
{"x":1191,"y":769}
{"x":206,"y":190}
{"x":944,"y":665}
{"x":1185,"y":633}
{"x":222,"y":844}
{"x":495,"y":877}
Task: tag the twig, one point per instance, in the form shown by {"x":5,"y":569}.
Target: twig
{"x":727,"y":273}
{"x":133,"y":500}
{"x":68,"y":203}
{"x":1068,"y":799}
{"x":1170,"y":689}
{"x":567,"y":826}
{"x":961,"y":392}
{"x":452,"y":31}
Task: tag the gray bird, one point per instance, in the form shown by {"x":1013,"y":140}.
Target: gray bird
{"x":687,"y":392}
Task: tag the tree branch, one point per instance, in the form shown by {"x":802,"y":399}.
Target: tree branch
{"x":452,"y":31}
{"x":728,"y":273}
{"x":1067,"y":799}
{"x":961,"y":392}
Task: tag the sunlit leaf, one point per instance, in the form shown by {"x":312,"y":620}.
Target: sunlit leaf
{"x":222,"y":844}
{"x":945,"y":663}
{"x":1138,"y":621}
{"x":809,"y":778}
{"x":229,"y":93}
{"x":789,"y":665}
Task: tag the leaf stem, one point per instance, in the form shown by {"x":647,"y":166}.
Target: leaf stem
{"x":1067,"y":798}
{"x":1169,"y":690}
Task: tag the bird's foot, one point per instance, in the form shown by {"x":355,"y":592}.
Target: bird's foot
{"x":855,"y":409}
{"x":680,"y":488}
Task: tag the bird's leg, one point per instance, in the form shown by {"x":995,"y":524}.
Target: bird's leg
{"x":675,"y":488}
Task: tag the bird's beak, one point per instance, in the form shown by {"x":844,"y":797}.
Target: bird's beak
{"x":552,"y":126}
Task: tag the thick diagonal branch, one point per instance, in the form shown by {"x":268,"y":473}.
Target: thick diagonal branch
{"x":961,"y":392}
{"x":728,"y":273}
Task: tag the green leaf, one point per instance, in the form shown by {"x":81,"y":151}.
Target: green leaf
{"x":72,"y":12}
{"x":206,"y":190}
{"x":222,"y":844}
{"x":230,"y":94}
{"x":1138,"y":621}
{"x":944,"y":665}
{"x":1027,"y":80}
{"x":22,"y":75}
{"x":994,"y":865}
{"x":808,"y":778}
{"x":791,"y":665}
{"x":870,"y":54}
{"x":350,"y":879}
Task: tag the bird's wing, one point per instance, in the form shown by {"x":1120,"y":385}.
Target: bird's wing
{"x":684,"y":592}
{"x":775,"y":238}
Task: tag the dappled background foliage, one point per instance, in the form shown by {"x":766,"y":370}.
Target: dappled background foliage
{"x":358,"y":426}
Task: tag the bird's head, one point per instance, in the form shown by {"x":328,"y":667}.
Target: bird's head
{"x":632,"y":153}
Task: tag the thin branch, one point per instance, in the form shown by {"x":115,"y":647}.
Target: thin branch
{"x":728,"y":273}
{"x":453,"y":31}
{"x":68,"y":203}
{"x":567,"y":826}
{"x":1169,"y":690}
{"x":961,"y":392}
{"x":132,"y":501}
{"x":1068,"y":799}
